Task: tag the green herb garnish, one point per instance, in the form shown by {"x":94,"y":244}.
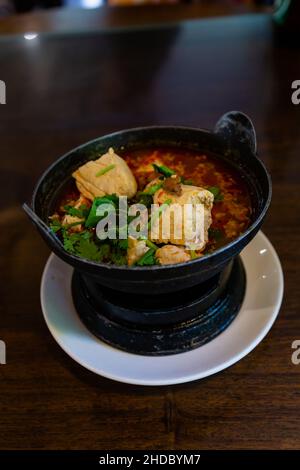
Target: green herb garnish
{"x":215,"y":190}
{"x":82,"y":212}
{"x":93,"y":218}
{"x":188,"y":182}
{"x":152,"y":245}
{"x":121,"y":244}
{"x":148,"y":259}
{"x":118,"y":256}
{"x":163,"y":170}
{"x":152,"y":189}
{"x":76,"y":242}
{"x":105,"y":170}
{"x":69,"y":241}
{"x":87,"y":248}
{"x":55,"y":225}
{"x":145,"y":199}
{"x":82,"y":244}
{"x":104,"y":251}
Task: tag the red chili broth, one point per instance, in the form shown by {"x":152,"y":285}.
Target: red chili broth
{"x":231,"y":216}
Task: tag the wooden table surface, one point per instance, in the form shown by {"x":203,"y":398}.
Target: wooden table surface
{"x":63,"y":90}
{"x":107,"y":17}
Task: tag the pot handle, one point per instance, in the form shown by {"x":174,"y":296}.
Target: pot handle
{"x":44,"y":230}
{"x":237,"y":128}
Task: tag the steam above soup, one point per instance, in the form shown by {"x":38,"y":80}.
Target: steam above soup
{"x":167,"y":181}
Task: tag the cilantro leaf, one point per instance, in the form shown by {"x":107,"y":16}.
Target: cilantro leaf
{"x":81,"y":244}
{"x":215,"y":190}
{"x":88,"y":249}
{"x":70,"y":240}
{"x":123,"y":244}
{"x":55,"y":225}
{"x":118,"y":256}
{"x":82,"y":212}
{"x":104,"y":252}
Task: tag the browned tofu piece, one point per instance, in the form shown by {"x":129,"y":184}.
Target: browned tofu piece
{"x":171,"y":254}
{"x":117,"y":178}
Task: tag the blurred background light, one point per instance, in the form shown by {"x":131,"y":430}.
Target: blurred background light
{"x":30,"y":36}
{"x":89,"y":4}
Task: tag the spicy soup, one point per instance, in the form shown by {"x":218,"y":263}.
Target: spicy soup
{"x":173,"y":169}
{"x":231,"y":213}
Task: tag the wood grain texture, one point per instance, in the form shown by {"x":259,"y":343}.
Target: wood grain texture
{"x":64,"y":90}
{"x":107,"y":17}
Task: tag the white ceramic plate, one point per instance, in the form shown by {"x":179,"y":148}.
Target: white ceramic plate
{"x":259,"y":310}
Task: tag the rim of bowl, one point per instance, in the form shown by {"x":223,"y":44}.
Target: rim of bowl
{"x":208,"y":256}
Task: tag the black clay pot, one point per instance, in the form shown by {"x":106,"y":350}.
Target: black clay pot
{"x":232,"y":140}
